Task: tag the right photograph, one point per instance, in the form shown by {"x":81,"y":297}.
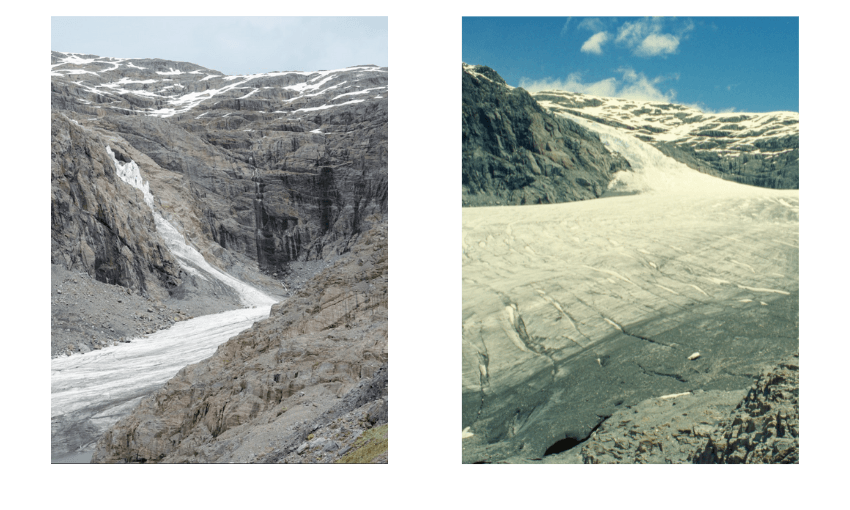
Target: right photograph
{"x":630,"y":240}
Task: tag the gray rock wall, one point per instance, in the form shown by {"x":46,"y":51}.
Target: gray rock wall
{"x":99,"y":224}
{"x":265,"y":169}
{"x":515,"y":152}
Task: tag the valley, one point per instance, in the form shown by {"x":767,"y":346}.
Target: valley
{"x":188,"y":208}
{"x":674,"y":287}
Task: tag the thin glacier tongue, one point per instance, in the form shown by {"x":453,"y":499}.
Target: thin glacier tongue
{"x":186,"y":254}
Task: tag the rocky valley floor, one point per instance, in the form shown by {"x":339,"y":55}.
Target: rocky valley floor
{"x":89,"y":315}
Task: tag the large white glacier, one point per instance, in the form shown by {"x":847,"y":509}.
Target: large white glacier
{"x":545,"y":286}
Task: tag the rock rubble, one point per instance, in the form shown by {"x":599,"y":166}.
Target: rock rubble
{"x":272,"y":385}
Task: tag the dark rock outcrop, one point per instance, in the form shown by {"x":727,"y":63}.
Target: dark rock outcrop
{"x":101,"y":225}
{"x":515,"y":152}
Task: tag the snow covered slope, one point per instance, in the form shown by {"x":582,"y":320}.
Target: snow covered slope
{"x":752,"y":148}
{"x":573,"y":310}
{"x":162,"y":88}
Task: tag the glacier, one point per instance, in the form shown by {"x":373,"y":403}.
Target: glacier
{"x":572,"y":310}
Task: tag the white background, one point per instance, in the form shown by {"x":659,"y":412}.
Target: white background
{"x":425,"y":292}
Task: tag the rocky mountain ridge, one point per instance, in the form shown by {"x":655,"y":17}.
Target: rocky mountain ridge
{"x":515,"y":152}
{"x":262,"y":186}
{"x":761,"y":149}
{"x":272,"y":167}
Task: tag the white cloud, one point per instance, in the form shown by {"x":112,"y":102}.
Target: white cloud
{"x":566,"y":25}
{"x":657,"y":44}
{"x":594,"y":44}
{"x":631,"y":33}
{"x":632,"y":85}
{"x":704,"y":109}
{"x":646,"y":39}
{"x":592,"y":24}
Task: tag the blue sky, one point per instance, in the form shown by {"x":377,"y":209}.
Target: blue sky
{"x":231,"y":45}
{"x":716,"y":64}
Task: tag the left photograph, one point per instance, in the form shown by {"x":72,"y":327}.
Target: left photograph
{"x":219,"y":240}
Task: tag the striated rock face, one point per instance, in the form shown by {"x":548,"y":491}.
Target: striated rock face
{"x":760,"y":149}
{"x":516,"y":152}
{"x":100,"y":225}
{"x":313,"y":367}
{"x":765,"y":427}
{"x":268,"y":168}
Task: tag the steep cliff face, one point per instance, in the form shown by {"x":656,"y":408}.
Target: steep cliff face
{"x":99,"y":224}
{"x":759,"y":149}
{"x":263,"y":393}
{"x":273,"y":167}
{"x":515,"y":152}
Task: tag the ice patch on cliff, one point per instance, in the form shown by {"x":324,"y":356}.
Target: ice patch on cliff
{"x":187,"y":256}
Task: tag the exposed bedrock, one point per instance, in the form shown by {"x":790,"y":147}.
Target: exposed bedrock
{"x":275,"y":379}
{"x":99,"y":224}
{"x":765,"y":427}
{"x":296,"y":197}
{"x":515,"y":152}
{"x":780,"y":170}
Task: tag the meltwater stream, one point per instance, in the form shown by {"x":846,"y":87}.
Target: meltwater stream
{"x":91,"y":392}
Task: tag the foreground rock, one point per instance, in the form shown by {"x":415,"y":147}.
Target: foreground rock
{"x":660,"y":431}
{"x":755,"y":426}
{"x":515,"y":152}
{"x":265,"y":391}
{"x":765,"y":427}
